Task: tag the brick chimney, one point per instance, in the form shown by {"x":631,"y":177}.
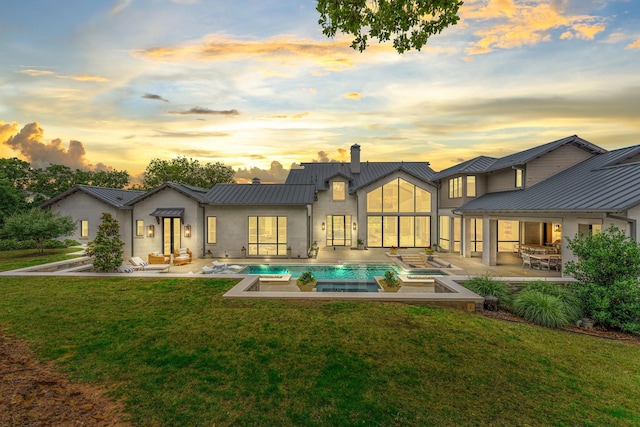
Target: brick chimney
{"x":355,"y":158}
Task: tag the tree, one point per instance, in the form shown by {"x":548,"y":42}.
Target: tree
{"x":11,"y":199}
{"x":38,"y":225}
{"x":107,"y":248}
{"x":408,"y":22}
{"x":186,"y":171}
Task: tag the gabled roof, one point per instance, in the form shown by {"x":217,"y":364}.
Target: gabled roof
{"x":112,"y":196}
{"x":261,"y":194}
{"x":590,"y":186}
{"x":475,"y":165}
{"x":197,"y":193}
{"x":319,"y":174}
{"x":526,"y":156}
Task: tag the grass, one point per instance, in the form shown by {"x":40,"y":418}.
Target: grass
{"x":178,"y":354}
{"x":13,"y":260}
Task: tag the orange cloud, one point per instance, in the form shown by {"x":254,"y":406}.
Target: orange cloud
{"x":79,"y":78}
{"x":634,"y":45}
{"x":513,"y":24}
{"x":353,"y":95}
{"x":333,"y":55}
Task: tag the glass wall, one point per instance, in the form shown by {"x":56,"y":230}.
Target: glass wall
{"x":508,"y":235}
{"x":395,"y":215}
{"x":338,"y":230}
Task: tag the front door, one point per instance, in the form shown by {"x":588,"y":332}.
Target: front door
{"x":170,"y":234}
{"x":338,"y":230}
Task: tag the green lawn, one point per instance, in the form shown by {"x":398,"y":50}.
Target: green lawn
{"x":178,"y":354}
{"x":13,"y":260}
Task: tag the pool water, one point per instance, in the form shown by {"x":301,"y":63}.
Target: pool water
{"x":347,"y":287}
{"x":333,"y":272}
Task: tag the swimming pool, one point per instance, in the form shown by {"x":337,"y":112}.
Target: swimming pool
{"x":333,"y":272}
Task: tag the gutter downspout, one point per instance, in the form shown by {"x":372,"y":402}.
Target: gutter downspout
{"x":632,"y":223}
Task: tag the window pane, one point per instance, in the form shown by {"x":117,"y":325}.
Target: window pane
{"x":374,"y":200}
{"x":406,"y":231}
{"x":471,"y":186}
{"x":390,"y":197}
{"x":519,"y":178}
{"x":211,"y":229}
{"x":166,"y":235}
{"x":444,"y":232}
{"x":267,"y":229}
{"x":406,"y":196}
{"x":253,"y":230}
{"x":390,"y":231}
{"x":282,"y":231}
{"x":457,"y":234}
{"x":423,"y":200}
{"x":176,"y":233}
{"x":139,"y":227}
{"x":339,"y":192}
{"x":329,"y":230}
{"x":84,"y":228}
{"x":423,"y":231}
{"x":508,"y":234}
{"x":374,"y":231}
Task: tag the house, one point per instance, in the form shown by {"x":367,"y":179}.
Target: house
{"x":484,"y":207}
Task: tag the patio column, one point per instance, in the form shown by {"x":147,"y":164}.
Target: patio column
{"x":489,"y":241}
{"x":466,"y":237}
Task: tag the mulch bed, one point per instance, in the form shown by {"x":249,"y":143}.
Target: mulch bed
{"x":33,"y":394}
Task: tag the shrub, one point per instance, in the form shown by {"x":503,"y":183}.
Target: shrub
{"x":570,"y":301}
{"x":486,"y":286}
{"x":306,"y":278}
{"x":53,"y":244}
{"x":616,"y":305}
{"x":541,"y":309}
{"x":390,"y":279}
{"x":107,"y":248}
{"x":71,"y":242}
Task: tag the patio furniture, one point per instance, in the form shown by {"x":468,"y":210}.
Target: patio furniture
{"x":552,"y":262}
{"x":530,"y":260}
{"x":159,"y":258}
{"x":124,"y":268}
{"x":182,"y":256}
{"x":139,"y":264}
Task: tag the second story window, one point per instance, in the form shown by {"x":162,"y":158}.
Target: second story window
{"x":519,"y":178}
{"x":455,"y":188}
{"x":339,"y":191}
{"x":471,"y":186}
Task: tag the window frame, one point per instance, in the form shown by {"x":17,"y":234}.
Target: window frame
{"x":84,"y":228}
{"x":140,"y":228}
{"x":519,"y":178}
{"x":471,"y":190}
{"x":455,"y":187}
{"x":338,"y":195}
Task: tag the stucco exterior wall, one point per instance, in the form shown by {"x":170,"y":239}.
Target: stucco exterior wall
{"x":168,"y":198}
{"x":81,"y":206}
{"x":554,"y":162}
{"x":233,"y":228}
{"x":327,"y":206}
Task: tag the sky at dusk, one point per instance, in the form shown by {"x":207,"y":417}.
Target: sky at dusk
{"x":255,"y":85}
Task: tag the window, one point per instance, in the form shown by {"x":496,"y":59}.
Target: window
{"x":508,"y":235}
{"x":84,"y":228}
{"x":338,"y":230}
{"x":519,"y":178}
{"x":455,"y":188}
{"x":139,"y":228}
{"x":476,"y":234}
{"x":399,"y":196}
{"x":339,"y":192}
{"x":267,"y":235}
{"x":212,"y":230}
{"x":445,"y":232}
{"x":471,"y":186}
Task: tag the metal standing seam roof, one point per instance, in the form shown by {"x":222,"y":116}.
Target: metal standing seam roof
{"x":261,"y":194}
{"x":318,"y":174}
{"x":597,"y":184}
{"x":197,"y":193}
{"x":476,"y":165}
{"x":113,"y":196}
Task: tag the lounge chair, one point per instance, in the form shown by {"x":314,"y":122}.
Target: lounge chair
{"x":139,"y":264}
{"x":182,"y":256}
{"x":554,"y":262}
{"x":124,"y":268}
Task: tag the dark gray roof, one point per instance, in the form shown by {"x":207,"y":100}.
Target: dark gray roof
{"x":590,"y":186}
{"x":261,"y":194}
{"x":197,"y":193}
{"x":525,"y":156}
{"x":319,"y":174}
{"x":113,"y":196}
{"x":475,"y":165}
{"x":168,"y":212}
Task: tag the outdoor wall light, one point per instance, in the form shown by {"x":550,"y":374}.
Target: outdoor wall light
{"x":187,"y":231}
{"x":323,"y":226}
{"x":354,"y":226}
{"x":151,"y":231}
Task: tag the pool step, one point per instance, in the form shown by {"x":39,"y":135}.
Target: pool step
{"x":414,"y":259}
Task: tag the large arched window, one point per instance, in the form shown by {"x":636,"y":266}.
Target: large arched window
{"x":398,"y":215}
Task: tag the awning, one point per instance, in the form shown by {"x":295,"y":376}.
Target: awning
{"x":168,"y":212}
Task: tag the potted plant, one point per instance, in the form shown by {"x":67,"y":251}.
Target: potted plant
{"x":390,"y":281}
{"x":393,"y":250}
{"x":429,"y":250}
{"x":360,"y":244}
{"x":289,"y":250}
{"x":244,"y":252}
{"x":306,"y":281}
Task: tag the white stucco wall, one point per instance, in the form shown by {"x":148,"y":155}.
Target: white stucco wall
{"x":168,"y":198}
{"x":327,"y":206}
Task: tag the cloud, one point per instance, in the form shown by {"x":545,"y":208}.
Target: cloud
{"x":119,"y":6}
{"x":200,"y":110}
{"x":154,"y":97}
{"x":37,"y":73}
{"x":353,"y":95}
{"x":79,"y":77}
{"x":166,"y":134}
{"x":513,"y":24}
{"x":324,"y":157}
{"x":293,"y":116}
{"x":336,"y":55}
{"x":28,"y":142}
{"x":634,"y":45}
{"x":274,"y":175}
